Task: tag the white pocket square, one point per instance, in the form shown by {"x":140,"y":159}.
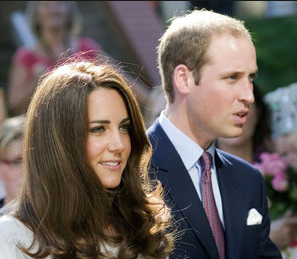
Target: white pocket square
{"x":254,"y":218}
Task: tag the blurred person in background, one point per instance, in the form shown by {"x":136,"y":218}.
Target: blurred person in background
{"x":3,"y":116}
{"x":3,"y":105}
{"x":155,"y":104}
{"x":283,"y":106}
{"x":56,"y":26}
{"x":11,"y":136}
{"x":282,"y":103}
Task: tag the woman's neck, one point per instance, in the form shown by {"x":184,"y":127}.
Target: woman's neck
{"x":11,"y":190}
{"x":8,"y":197}
{"x":54,"y":43}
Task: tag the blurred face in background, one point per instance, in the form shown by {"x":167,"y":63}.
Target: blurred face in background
{"x":286,"y":146}
{"x":11,"y":166}
{"x":53,"y":14}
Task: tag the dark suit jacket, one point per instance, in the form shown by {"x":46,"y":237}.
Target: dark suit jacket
{"x":242,"y":188}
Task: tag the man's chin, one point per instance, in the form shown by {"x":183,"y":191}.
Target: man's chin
{"x":234,"y":134}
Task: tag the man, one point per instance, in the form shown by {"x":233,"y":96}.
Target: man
{"x":207,"y":62}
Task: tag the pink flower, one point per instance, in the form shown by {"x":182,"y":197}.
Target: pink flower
{"x":280,"y":183}
{"x":273,"y":165}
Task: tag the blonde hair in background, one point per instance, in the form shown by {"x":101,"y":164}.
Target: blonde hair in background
{"x":11,"y":129}
{"x":74,"y":23}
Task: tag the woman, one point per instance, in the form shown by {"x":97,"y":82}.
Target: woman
{"x":86,"y":191}
{"x":56,"y":26}
{"x":11,"y":136}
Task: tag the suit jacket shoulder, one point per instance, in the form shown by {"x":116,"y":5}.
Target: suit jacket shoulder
{"x":242,"y":188}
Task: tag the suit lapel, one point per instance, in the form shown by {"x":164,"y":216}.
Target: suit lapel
{"x":233,"y":205}
{"x":176,"y":180}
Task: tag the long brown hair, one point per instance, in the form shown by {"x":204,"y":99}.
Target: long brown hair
{"x":62,"y":199}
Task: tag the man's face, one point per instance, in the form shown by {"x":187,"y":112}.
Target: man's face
{"x":219,"y":105}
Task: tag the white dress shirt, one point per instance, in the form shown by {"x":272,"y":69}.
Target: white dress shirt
{"x":183,"y":144}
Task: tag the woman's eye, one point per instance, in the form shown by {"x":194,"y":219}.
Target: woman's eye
{"x":99,"y":129}
{"x":125,"y":128}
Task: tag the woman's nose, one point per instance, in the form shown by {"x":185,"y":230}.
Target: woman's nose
{"x":116,"y":142}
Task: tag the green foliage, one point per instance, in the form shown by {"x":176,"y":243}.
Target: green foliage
{"x":275,"y":40}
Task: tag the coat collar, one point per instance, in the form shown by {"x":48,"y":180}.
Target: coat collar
{"x":175,"y":178}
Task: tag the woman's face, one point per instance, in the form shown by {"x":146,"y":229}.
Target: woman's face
{"x":108,"y":143}
{"x":52,"y":14}
{"x":11,"y":165}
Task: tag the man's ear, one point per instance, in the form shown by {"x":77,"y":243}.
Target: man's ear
{"x":181,"y":77}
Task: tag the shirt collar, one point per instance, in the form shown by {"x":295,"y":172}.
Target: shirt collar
{"x":188,"y":149}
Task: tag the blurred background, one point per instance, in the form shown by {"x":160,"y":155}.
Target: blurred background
{"x":128,"y":32}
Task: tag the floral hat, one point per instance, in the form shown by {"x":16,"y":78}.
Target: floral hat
{"x":282,"y":103}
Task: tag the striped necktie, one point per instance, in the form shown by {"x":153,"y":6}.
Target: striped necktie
{"x":210,"y":205}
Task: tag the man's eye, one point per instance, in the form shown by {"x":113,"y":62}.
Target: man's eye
{"x":232,"y":77}
{"x":253,"y":77}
